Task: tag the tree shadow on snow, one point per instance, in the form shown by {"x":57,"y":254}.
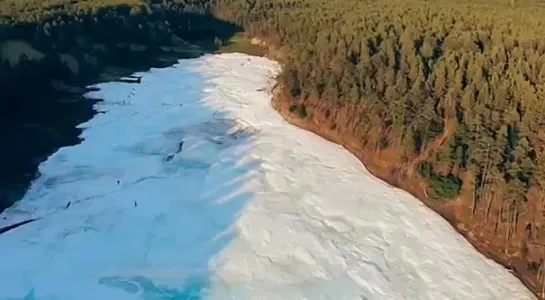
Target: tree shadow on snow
{"x":184,"y":207}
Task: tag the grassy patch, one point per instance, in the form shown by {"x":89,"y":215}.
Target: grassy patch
{"x":241,"y":44}
{"x":444,"y":187}
{"x":439,"y":186}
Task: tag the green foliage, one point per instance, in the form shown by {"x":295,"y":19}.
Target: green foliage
{"x":383,"y":143}
{"x":435,"y":129}
{"x":300,"y":110}
{"x":425,"y":169}
{"x":39,"y":10}
{"x":440,"y":187}
{"x":34,"y":11}
{"x":241,"y":44}
{"x":444,"y":187}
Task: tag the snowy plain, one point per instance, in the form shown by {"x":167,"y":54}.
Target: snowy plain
{"x":190,"y":186}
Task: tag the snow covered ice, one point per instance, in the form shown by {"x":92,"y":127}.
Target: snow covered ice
{"x":190,"y":186}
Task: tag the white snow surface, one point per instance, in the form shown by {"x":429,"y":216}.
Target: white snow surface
{"x":248,"y":207}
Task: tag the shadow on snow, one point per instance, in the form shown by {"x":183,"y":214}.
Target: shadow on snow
{"x":144,"y":215}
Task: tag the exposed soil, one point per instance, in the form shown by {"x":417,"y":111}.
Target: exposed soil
{"x":337,"y":123}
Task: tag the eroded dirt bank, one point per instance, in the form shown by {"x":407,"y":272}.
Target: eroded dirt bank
{"x":337,"y":123}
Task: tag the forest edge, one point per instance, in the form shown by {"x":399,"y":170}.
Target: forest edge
{"x":316,"y":117}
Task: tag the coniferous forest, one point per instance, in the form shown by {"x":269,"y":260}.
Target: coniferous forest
{"x":444,"y":98}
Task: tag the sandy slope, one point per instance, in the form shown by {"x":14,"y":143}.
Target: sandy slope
{"x":247,"y":207}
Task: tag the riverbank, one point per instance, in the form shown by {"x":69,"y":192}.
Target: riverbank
{"x":337,"y":123}
{"x":326,"y":121}
{"x":126,"y":197}
{"x":206,"y":192}
{"x":358,"y":214}
{"x":33,"y":132}
{"x":47,"y":66}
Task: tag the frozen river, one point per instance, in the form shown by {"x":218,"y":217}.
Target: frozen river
{"x":190,"y":186}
